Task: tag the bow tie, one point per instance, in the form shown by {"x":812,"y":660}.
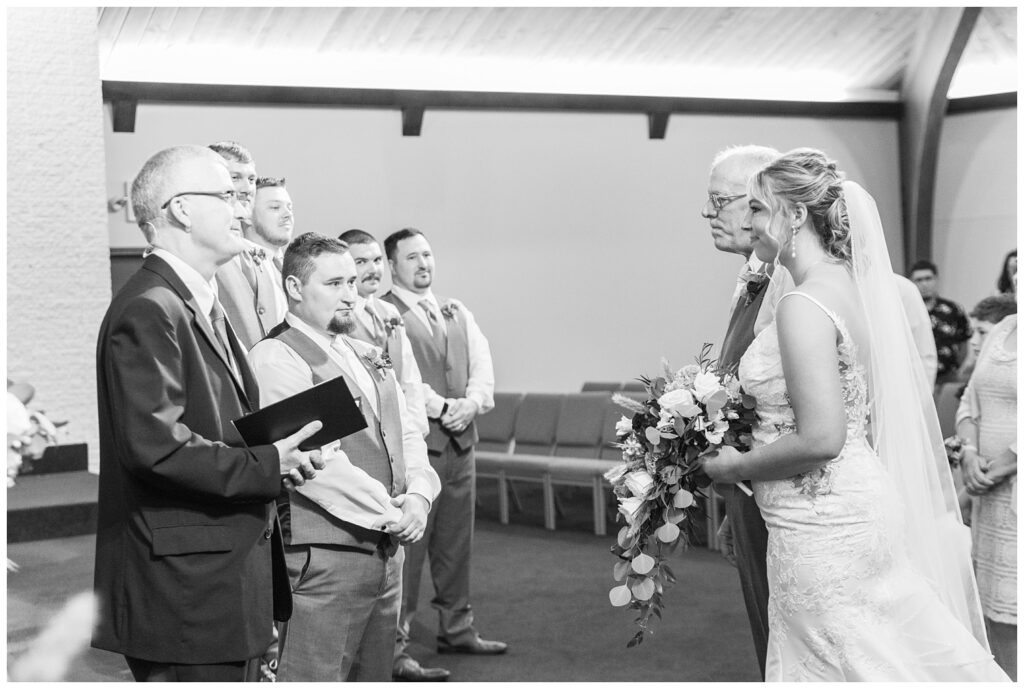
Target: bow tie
{"x":257,"y":254}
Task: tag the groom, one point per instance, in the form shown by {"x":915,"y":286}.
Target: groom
{"x":753,"y":307}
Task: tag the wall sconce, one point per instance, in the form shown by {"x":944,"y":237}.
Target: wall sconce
{"x":116,"y":204}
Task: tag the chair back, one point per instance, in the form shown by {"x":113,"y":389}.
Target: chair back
{"x":579,"y":424}
{"x":536,"y":423}
{"x":633,"y":386}
{"x":598,"y":386}
{"x":497,"y":426}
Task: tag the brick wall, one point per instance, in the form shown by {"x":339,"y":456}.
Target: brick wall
{"x":58,"y":264}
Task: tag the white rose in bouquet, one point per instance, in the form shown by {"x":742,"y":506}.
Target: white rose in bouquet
{"x":639,"y":483}
{"x":705,"y":385}
{"x":624,"y":426}
{"x":679,"y":402}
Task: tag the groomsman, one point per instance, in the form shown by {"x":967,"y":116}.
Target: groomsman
{"x":379,"y":323}
{"x":189,"y":570}
{"x":246,"y":285}
{"x":753,"y":307}
{"x":454,"y":359}
{"x":342,"y":539}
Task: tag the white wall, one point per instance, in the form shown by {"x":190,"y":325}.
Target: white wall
{"x":576,"y":241}
{"x":58,"y":260}
{"x":975,"y":202}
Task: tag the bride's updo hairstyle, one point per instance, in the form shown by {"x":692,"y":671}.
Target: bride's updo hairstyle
{"x":808,"y":176}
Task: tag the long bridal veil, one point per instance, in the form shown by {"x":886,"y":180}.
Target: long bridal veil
{"x":905,"y":428}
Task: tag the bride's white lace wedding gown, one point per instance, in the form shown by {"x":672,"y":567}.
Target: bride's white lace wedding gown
{"x":844,"y":603}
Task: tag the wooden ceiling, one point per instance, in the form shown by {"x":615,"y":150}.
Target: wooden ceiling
{"x":870,"y":47}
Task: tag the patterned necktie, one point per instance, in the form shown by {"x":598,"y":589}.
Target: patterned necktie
{"x":378,"y":325}
{"x":219,"y":321}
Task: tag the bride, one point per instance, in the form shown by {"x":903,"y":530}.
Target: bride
{"x":869,"y":571}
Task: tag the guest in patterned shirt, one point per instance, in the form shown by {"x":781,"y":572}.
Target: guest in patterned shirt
{"x":950,"y":326}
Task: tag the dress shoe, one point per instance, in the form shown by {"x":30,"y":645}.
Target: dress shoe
{"x":407,"y":669}
{"x":478,"y":646}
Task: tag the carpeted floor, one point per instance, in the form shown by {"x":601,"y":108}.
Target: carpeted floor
{"x":545,"y":593}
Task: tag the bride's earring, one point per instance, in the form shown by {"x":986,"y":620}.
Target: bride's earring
{"x":792,"y":242}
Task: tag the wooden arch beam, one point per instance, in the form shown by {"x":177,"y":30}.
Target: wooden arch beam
{"x":923,"y":93}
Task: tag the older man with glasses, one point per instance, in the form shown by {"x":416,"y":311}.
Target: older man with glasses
{"x":190,"y":569}
{"x":743,"y":537}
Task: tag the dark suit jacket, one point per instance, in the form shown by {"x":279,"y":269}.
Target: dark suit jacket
{"x":184,"y":544}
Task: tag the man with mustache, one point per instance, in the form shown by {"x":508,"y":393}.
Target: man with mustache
{"x":342,"y":541}
{"x":454,"y":359}
{"x":378,"y":322}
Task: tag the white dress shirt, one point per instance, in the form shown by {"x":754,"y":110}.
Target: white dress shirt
{"x":342,"y":488}
{"x":480,"y":386}
{"x":780,"y":283}
{"x":411,"y":381}
{"x":204,"y":291}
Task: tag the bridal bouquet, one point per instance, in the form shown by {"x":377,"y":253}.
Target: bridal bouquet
{"x":688,"y":413}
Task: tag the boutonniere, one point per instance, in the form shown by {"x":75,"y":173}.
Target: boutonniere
{"x":379,"y":359}
{"x":755,"y":282}
{"x":392,"y":324}
{"x":258,"y":255}
{"x":449,"y":309}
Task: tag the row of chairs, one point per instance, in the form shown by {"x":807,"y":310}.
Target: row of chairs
{"x":602,"y":386}
{"x":552,"y":439}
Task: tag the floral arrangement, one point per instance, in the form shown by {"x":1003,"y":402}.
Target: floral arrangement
{"x":449,"y":309}
{"x":755,"y":282}
{"x":688,"y":413}
{"x":29,"y":433}
{"x":380,"y":360}
{"x":954,"y":450}
{"x":391,"y":324}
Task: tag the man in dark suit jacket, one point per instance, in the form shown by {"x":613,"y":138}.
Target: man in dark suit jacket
{"x":726,"y":211}
{"x":185,"y":543}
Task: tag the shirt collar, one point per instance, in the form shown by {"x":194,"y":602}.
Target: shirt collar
{"x":204,"y":292}
{"x":413,"y":299}
{"x":324,"y":341}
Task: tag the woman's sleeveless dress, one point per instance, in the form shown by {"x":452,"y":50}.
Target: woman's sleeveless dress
{"x":844,"y":602}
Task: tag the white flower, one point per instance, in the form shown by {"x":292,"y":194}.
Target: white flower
{"x":624,"y":426}
{"x":630,"y":507}
{"x":687,"y":373}
{"x":706,"y":384}
{"x":717,"y":432}
{"x":679,"y":402}
{"x":639,"y":483}
{"x":665,"y":419}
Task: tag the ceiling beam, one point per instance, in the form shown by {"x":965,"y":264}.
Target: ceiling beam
{"x":413,"y":103}
{"x":991,"y":101}
{"x":925,"y":85}
{"x":123,"y":112}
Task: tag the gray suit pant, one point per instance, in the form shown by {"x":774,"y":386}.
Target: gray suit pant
{"x":345,"y":607}
{"x":750,"y":544}
{"x":448,"y":541}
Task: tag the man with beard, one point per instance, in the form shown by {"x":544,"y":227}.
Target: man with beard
{"x":455,"y":361}
{"x":249,"y":285}
{"x":379,"y":323}
{"x":342,"y":542}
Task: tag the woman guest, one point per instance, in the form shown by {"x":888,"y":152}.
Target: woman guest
{"x":987,"y":421}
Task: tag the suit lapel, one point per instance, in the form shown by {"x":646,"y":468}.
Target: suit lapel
{"x":201,"y":323}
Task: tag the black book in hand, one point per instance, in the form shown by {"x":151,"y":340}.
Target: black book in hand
{"x":330,"y":402}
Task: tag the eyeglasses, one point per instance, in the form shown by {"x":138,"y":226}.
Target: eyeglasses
{"x":718,"y":201}
{"x":229,"y":197}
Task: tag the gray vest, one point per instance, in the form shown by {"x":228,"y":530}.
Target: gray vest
{"x":389,"y":341}
{"x":446,"y":372}
{"x":377,"y":450}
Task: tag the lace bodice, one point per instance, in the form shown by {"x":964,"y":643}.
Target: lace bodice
{"x":761,"y":374}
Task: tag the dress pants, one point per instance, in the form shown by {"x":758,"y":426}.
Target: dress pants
{"x":345,"y":605}
{"x":151,"y":671}
{"x":448,"y":541}
{"x":750,"y":544}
